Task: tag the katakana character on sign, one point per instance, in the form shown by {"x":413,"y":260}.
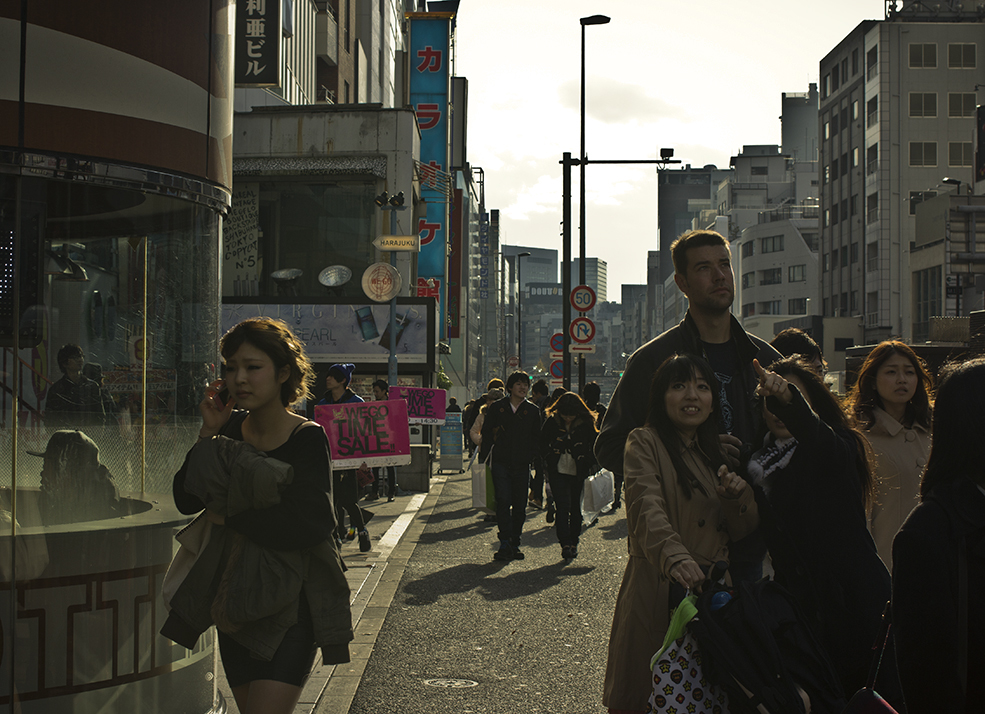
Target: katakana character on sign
{"x":428,"y":116}
{"x":430,"y":60}
{"x":253,"y":67}
{"x":429,"y":228}
{"x":253,"y":49}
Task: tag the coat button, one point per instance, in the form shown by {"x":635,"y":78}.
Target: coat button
{"x":743,"y":509}
{"x":701,"y":523}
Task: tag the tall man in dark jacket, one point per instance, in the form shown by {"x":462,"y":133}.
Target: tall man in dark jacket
{"x":703,"y":272}
{"x":511,"y":428}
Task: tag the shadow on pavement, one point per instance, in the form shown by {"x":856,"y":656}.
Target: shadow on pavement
{"x":489,"y":581}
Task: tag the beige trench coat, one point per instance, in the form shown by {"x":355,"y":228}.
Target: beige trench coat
{"x":665,"y":528}
{"x":901,"y":454}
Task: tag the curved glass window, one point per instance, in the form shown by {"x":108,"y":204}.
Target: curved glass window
{"x":108,"y":333}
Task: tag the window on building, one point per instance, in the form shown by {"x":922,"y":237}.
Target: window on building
{"x":853,"y":205}
{"x":844,"y":70}
{"x":834,"y":213}
{"x":748,"y":279}
{"x":772,"y":244}
{"x":827,"y":175}
{"x":797,"y":274}
{"x":810,"y":239}
{"x":927,"y":301}
{"x":923,"y":104}
{"x":923,"y":153}
{"x":797,"y":306}
{"x":844,"y":118}
{"x":834,"y":168}
{"x":834,"y":258}
{"x":918,"y":197}
{"x":749,"y":309}
{"x":961,"y":104}
{"x":826,"y":262}
{"x":844,"y":304}
{"x":844,"y":164}
{"x":872,"y":208}
{"x":748,"y":248}
{"x":825,"y":86}
{"x":827,"y":130}
{"x":872,"y":112}
{"x":835,"y":78}
{"x":960,"y":153}
{"x":855,"y":110}
{"x":834,"y":123}
{"x":843,"y":212}
{"x":960,"y":55}
{"x":872,"y":159}
{"x":759,"y":170}
{"x":855,"y":302}
{"x":824,"y":308}
{"x":855,"y":157}
{"x":854,"y":252}
{"x":827,"y":218}
{"x":872,"y":63}
{"x":770,"y":307}
{"x":854,"y":61}
{"x":923,"y":55}
{"x":844,"y":257}
{"x":771,"y":276}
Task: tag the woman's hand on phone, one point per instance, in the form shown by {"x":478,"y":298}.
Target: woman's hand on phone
{"x":730,"y":485}
{"x":214,"y":413}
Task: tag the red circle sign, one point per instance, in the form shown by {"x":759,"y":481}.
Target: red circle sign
{"x":513,"y":361}
{"x":557,"y":341}
{"x":582,"y":330}
{"x":582,"y":298}
{"x":557,"y":369}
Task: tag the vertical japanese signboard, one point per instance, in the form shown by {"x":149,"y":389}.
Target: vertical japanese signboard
{"x":484,"y":274}
{"x":429,"y":95}
{"x":258,"y":34}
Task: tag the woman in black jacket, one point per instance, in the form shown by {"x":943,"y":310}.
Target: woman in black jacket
{"x":939,"y":559}
{"x":813,"y":484}
{"x":568,"y":436}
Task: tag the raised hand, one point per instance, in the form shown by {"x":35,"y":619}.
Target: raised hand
{"x":213,"y":415}
{"x":772,"y":384}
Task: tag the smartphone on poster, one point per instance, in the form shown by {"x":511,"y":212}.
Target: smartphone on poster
{"x":367,"y":323}
{"x":402,"y":322}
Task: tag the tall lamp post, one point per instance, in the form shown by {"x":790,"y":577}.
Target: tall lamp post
{"x":519,"y":308}
{"x":392,"y":204}
{"x":592,"y":20}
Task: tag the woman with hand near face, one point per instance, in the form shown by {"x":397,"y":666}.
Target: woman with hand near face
{"x":813,"y":484}
{"x":891,"y":404}
{"x":683,"y":508}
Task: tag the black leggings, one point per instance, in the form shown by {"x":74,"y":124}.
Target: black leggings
{"x":346,"y":494}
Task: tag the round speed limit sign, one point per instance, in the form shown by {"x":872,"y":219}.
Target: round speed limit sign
{"x":582,"y":298}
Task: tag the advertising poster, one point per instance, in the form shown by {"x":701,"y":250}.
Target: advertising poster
{"x":347,"y":332}
{"x":424,"y":406}
{"x":371,"y":433}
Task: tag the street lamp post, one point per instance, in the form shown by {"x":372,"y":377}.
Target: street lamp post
{"x":392,"y":204}
{"x":592,"y":20}
{"x":519,"y":308}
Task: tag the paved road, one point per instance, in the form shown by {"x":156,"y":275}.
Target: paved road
{"x":531,"y":635}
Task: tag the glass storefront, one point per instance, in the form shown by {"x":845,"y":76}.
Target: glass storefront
{"x":109,"y":327}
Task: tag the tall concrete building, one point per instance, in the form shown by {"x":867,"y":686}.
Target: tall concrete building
{"x":798,"y":124}
{"x":897,"y":115}
{"x":596,"y":276}
{"x":539,"y":267}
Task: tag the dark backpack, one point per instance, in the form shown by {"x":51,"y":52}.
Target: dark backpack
{"x":759,"y":648}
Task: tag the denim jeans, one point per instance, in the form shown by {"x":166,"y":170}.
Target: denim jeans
{"x":567,"y":499}
{"x":510,"y":483}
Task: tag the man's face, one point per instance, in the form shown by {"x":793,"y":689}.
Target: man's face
{"x":519,"y":389}
{"x":708,"y":283}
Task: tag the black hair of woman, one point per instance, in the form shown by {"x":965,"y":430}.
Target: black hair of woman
{"x":864,"y":396}
{"x":382,"y":385}
{"x":830,"y":411}
{"x":685,"y":368}
{"x":591,"y":393}
{"x":957,"y":449}
{"x":571,"y":404}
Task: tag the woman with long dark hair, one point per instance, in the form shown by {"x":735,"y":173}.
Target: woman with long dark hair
{"x":891,"y":404}
{"x":939,"y":558}
{"x":568,"y":436}
{"x":814,"y":483}
{"x":683,"y":508}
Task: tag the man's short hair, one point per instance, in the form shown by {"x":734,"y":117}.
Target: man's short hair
{"x":540,"y":387}
{"x":516,"y":377}
{"x":693,"y":239}
{"x":67,"y":352}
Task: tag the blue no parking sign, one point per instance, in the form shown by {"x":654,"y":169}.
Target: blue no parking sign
{"x":557,"y":369}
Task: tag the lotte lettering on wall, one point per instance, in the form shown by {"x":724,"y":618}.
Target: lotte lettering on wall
{"x":424,"y":406}
{"x":371,"y":433}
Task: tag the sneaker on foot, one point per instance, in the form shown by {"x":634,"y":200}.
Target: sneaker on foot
{"x":518,"y":554}
{"x":565,"y":552}
{"x":572,"y":551}
{"x":350,"y":534}
{"x":364,"y":541}
{"x":505,"y":552}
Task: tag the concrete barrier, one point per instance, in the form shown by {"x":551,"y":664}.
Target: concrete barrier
{"x":416,"y":476}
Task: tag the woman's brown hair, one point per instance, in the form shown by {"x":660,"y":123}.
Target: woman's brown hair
{"x":864,"y":397}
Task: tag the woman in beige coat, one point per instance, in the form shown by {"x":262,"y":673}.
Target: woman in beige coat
{"x":475,"y":433}
{"x":891,"y":404}
{"x":683,"y":507}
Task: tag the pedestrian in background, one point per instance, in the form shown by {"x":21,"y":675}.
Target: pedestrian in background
{"x":538,"y":483}
{"x":568,"y":438}
{"x":939,"y":558}
{"x":683,"y":509}
{"x":891,"y":404}
{"x":511,"y":431}
{"x":381,"y":392}
{"x":493,"y":395}
{"x":346,"y":488}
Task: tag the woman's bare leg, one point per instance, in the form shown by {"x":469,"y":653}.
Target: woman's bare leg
{"x":265,"y":696}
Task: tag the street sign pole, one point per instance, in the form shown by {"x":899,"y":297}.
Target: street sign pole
{"x":566,"y":163}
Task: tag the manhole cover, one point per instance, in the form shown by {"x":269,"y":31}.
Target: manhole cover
{"x":451,"y":683}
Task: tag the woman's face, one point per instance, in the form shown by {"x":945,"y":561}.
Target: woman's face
{"x":567,"y":419}
{"x":777,"y":427}
{"x":252,"y":378}
{"x":896,"y":380}
{"x":688,"y":404}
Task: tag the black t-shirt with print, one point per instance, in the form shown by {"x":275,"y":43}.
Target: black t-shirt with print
{"x":724,"y":361}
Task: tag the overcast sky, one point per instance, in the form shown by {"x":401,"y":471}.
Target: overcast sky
{"x":702,"y":77}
